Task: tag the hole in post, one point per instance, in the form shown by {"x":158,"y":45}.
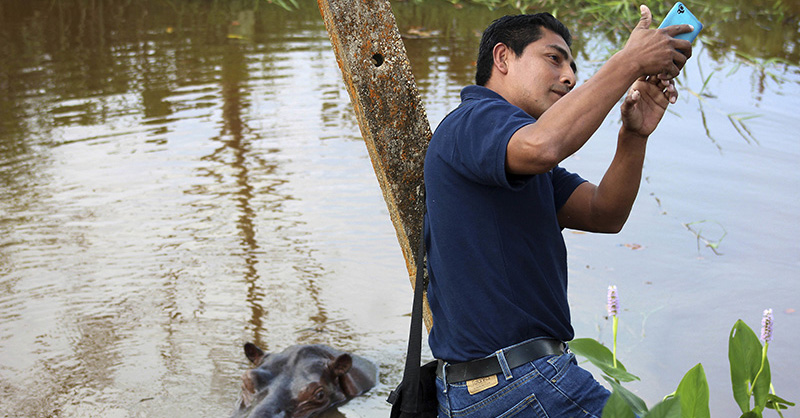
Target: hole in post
{"x":377,"y":60}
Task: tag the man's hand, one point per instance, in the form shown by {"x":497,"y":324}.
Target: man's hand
{"x":605,"y":207}
{"x":645,"y":104}
{"x":656,"y":50}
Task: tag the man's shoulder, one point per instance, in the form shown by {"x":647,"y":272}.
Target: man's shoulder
{"x":474,"y":95}
{"x":481,"y":102}
{"x":475,"y":92}
{"x":482,"y":108}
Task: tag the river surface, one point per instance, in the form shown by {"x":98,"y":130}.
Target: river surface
{"x":180,"y":177}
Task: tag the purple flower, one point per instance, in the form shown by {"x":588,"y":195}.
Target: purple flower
{"x":613,"y":301}
{"x":766,"y":326}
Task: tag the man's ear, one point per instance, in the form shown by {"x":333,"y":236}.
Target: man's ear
{"x":500,"y":55}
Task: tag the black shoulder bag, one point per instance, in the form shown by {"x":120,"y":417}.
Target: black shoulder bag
{"x":415,"y":396}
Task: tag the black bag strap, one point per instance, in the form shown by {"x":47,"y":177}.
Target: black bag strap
{"x":411,"y":375}
{"x":414,"y":355}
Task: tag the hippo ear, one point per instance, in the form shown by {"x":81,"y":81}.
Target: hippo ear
{"x":254,"y":353}
{"x":357,"y":378}
{"x":341,"y":364}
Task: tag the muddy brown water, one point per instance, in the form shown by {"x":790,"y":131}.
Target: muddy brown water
{"x":181,"y":177}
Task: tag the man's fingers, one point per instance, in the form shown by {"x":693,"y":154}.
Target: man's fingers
{"x":684,"y":46}
{"x":673,"y":30}
{"x":671,"y":92}
{"x":630,"y":101}
{"x":669,"y":72}
{"x":679,"y":59}
{"x":652,"y":79}
{"x":646,"y":19}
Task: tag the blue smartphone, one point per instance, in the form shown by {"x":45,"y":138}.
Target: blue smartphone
{"x":680,"y":15}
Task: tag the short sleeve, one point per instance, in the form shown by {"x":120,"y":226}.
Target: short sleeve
{"x":564,"y":183}
{"x":480,"y":136}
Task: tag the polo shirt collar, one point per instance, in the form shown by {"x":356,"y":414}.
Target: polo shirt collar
{"x":475,"y":92}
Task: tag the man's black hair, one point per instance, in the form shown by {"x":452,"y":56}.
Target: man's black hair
{"x":516,"y":32}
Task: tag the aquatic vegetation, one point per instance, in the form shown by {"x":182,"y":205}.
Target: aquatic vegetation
{"x":766,"y":327}
{"x":613,"y":309}
{"x":698,"y":233}
{"x":750,"y":371}
{"x":286,"y":4}
{"x":750,"y":376}
{"x":737,"y":120}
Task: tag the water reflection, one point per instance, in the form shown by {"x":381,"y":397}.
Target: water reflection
{"x":232,"y":136}
{"x":178,"y":177}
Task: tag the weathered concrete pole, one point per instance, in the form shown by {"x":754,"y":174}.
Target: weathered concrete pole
{"x":389,"y":109}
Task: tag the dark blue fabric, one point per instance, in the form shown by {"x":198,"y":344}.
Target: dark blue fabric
{"x":553,"y":386}
{"x":496,"y":257}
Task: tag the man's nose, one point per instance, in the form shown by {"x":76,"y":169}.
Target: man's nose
{"x":568,"y":78}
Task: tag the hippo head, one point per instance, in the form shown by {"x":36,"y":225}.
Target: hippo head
{"x":301,"y":381}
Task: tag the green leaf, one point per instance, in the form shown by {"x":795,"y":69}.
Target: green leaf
{"x":601,"y":357}
{"x":694,"y":394}
{"x":776,"y":402}
{"x":668,"y":408}
{"x":761,"y":388}
{"x":636,"y":403}
{"x":744,"y":355}
{"x":617,"y":407}
{"x":751,"y":414}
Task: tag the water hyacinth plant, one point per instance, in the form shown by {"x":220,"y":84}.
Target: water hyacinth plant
{"x":750,"y":375}
{"x":750,"y":372}
{"x":766,"y":328}
{"x":613,"y":310}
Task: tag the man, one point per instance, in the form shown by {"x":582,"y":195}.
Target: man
{"x":497,"y":202}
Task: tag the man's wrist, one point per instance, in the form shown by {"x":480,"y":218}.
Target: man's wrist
{"x":624,"y":62}
{"x":628,"y":134}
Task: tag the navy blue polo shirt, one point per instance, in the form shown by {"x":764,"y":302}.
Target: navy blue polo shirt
{"x":496,"y":257}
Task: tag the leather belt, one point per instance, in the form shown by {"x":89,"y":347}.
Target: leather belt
{"x":515,"y":356}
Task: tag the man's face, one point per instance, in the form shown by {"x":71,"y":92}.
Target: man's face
{"x":544,"y":73}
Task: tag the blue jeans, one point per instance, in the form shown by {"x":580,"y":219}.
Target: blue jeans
{"x":550,"y":387}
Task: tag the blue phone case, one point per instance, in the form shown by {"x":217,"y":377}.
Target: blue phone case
{"x":680,"y":15}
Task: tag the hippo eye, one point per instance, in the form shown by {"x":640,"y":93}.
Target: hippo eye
{"x":319,"y":395}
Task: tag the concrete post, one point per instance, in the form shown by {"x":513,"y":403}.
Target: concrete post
{"x":388,"y":107}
